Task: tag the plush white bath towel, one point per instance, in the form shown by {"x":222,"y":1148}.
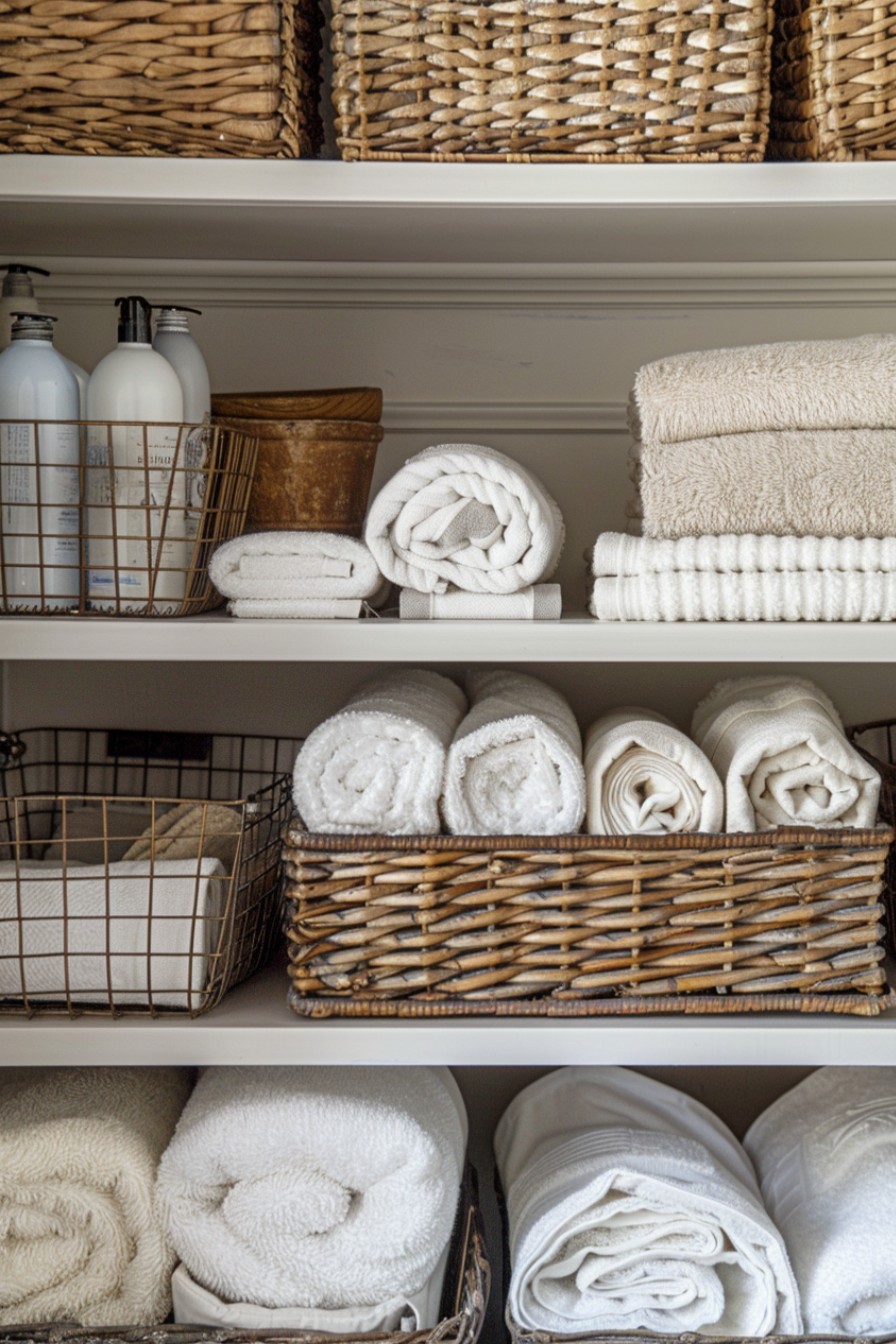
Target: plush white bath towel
{"x":515,"y":765}
{"x":314,"y":1187}
{"x":644,"y":776}
{"x":618,"y":553}
{"x":540,"y":602}
{"x":701,"y":595}
{"x":377,"y":765}
{"x":79,"y":1236}
{"x":778,"y":745}
{"x":464,"y":515}
{"x":297,"y":608}
{"x":632,"y":1207}
{"x":826,"y":1157}
{"x":293,"y":565}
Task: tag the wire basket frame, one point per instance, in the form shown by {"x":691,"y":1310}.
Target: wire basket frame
{"x":117,"y":518}
{"x":139,"y":871}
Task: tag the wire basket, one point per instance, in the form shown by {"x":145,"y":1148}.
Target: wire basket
{"x":117,"y":518}
{"x":139,"y":871}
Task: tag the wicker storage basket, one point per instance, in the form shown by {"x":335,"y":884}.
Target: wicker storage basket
{"x":834,"y":80}
{"x":108,"y":906}
{"x":584,"y":925}
{"x":627,"y":81}
{"x":234,"y":78}
{"x":876,"y":741}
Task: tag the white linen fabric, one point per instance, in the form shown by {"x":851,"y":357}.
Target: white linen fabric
{"x":539,"y":602}
{"x":293,"y":565}
{"x":702,"y":595}
{"x":464,"y":515}
{"x":618,"y":553}
{"x":297,"y":608}
{"x":631,"y":1206}
{"x":79,"y":1236}
{"x":323,"y":1187}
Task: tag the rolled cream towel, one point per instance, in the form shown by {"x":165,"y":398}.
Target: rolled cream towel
{"x":515,"y":765}
{"x":376,"y":766}
{"x":541,"y":602}
{"x":779,"y":748}
{"x":644,"y":776}
{"x":286,"y":566}
{"x":80,"y":1239}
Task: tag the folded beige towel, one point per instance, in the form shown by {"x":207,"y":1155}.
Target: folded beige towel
{"x":191,"y":831}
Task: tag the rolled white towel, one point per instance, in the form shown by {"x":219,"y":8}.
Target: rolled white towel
{"x":376,"y":766}
{"x":540,"y":602}
{"x":323,"y":1187}
{"x":79,"y":1236}
{"x":293,"y":565}
{"x":515,"y":765}
{"x":465,"y":515}
{"x":632,"y":1207}
{"x":644,"y":776}
{"x":779,"y":748}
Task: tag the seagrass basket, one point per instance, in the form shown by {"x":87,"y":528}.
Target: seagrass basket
{"x":584,"y":925}
{"x":625,"y":81}
{"x":876,"y":741}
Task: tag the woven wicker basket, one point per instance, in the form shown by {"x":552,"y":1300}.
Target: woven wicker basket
{"x":584,"y":925}
{"x":627,"y":81}
{"x":876,"y":741}
{"x":231,"y":77}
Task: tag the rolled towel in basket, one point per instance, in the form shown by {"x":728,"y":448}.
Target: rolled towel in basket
{"x":644,"y":776}
{"x":79,"y":1149}
{"x":515,"y":765}
{"x":320,"y":1187}
{"x":632,"y":1207}
{"x":465,"y":515}
{"x":376,"y":766}
{"x":294,"y":565}
{"x":779,"y":748}
{"x":826,"y":1157}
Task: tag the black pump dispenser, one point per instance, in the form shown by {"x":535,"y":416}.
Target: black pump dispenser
{"x":134,"y":320}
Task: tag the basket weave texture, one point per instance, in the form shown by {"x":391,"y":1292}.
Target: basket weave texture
{"x":520,"y":80}
{"x":585,"y":925}
{"x":881,"y":734}
{"x":229,"y":77}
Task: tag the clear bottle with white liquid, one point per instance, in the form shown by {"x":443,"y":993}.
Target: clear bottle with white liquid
{"x":175,"y":341}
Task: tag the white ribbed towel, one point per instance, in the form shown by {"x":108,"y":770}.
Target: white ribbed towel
{"x":325,"y":1186}
{"x":779,"y":748}
{"x":632,"y":1207}
{"x":702,"y":595}
{"x":377,"y":764}
{"x":826,"y":1157}
{"x":540,"y":602}
{"x":618,"y":553}
{"x":464,"y":515}
{"x":515,"y":765}
{"x":644,"y":776}
{"x":293,"y":565}
{"x":79,"y":1236}
{"x":297,"y":608}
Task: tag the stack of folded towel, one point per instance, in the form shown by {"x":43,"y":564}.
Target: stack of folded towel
{"x":296,"y":574}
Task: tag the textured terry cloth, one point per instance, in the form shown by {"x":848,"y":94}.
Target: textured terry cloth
{"x":842,"y":384}
{"x":540,"y":602}
{"x":167,"y":953}
{"x":644,"y":776}
{"x":778,"y":745}
{"x":317,"y":1186}
{"x":632,"y":1207}
{"x":826,"y":1157}
{"x":463,"y":515}
{"x":79,"y":1236}
{"x":297,"y":608}
{"x":617,"y":553}
{"x":377,"y":764}
{"x":192,"y":831}
{"x":700,"y":595}
{"x":515,"y":765}
{"x":284,"y":565}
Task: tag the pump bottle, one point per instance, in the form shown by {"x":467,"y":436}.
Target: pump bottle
{"x":174,"y":340}
{"x":17,"y":296}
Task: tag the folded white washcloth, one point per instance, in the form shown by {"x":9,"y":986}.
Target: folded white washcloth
{"x":632,"y":1207}
{"x":79,"y":1236}
{"x":778,"y":745}
{"x":323,"y":1187}
{"x":464,"y":515}
{"x":703,"y":595}
{"x":296,"y":608}
{"x":293,"y":565}
{"x":618,"y":553}
{"x":644,"y":776}
{"x":515,"y":765}
{"x":826,"y":1157}
{"x":539,"y":602}
{"x":377,"y":764}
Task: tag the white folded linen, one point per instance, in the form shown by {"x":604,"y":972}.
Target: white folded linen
{"x":377,"y":764}
{"x":617,"y":553}
{"x":79,"y":1236}
{"x":778,"y":745}
{"x":644,"y":776}
{"x":515,"y":765}
{"x":88,"y":927}
{"x":293,"y":565}
{"x":539,"y":602}
{"x":702,"y":595}
{"x":464,"y":515}
{"x":631,"y":1206}
{"x":297,"y":608}
{"x":323,"y":1187}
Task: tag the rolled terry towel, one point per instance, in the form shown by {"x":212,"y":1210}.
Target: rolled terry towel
{"x":515,"y":765}
{"x":700,"y":595}
{"x":632,"y":1207}
{"x":644,"y":776}
{"x":778,"y":745}
{"x":617,"y":553}
{"x":377,"y":765}
{"x":323,"y":1187}
{"x":540,"y":602}
{"x":826,"y":1157}
{"x":294,"y":565}
{"x":464,"y":515}
{"x":80,"y":1237}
